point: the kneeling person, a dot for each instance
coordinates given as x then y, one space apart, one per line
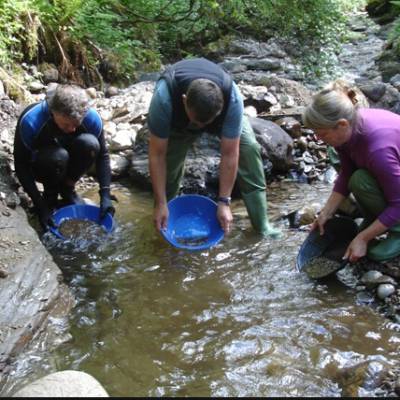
56 142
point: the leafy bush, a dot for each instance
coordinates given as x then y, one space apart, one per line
81 35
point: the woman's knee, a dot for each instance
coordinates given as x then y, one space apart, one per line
361 180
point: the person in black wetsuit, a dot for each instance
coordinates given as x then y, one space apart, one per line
56 141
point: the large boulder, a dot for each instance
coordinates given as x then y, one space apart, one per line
277 145
64 384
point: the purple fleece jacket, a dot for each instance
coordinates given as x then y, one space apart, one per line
375 146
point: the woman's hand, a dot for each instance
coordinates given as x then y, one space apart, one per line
320 221
356 249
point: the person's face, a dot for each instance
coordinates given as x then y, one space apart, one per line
335 136
65 123
193 117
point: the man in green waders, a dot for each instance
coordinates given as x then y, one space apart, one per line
195 96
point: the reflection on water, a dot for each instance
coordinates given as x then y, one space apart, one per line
235 320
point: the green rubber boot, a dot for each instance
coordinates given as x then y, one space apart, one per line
256 205
386 249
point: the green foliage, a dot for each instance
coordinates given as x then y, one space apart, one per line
140 34
15 18
394 34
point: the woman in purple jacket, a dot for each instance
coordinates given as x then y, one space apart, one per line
368 144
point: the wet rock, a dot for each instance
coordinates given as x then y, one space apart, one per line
374 91
264 64
271 47
257 96
276 144
301 143
111 91
119 165
250 111
395 81
308 213
371 278
64 384
233 66
384 290
122 140
12 200
35 87
49 73
91 92
291 125
367 375
397 386
365 297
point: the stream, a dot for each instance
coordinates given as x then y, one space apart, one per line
234 320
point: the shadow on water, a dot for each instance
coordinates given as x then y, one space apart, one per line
234 320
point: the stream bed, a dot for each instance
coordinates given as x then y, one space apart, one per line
235 320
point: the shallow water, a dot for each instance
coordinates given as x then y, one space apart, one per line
235 320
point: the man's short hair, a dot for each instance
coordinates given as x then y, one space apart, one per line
70 101
205 99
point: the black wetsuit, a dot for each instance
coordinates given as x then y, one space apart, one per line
37 131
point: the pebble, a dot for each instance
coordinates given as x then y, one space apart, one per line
385 290
370 278
397 386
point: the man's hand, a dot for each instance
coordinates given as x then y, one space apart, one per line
105 203
224 216
160 216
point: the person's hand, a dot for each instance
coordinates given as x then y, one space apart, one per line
160 216
356 249
106 204
44 214
320 221
224 216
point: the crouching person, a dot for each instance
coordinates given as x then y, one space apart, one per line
56 142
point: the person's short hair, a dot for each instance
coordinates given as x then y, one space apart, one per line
336 101
205 99
69 100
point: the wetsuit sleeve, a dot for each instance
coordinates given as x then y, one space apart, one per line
103 168
23 169
233 121
93 124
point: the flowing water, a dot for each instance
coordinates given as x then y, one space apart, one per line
235 320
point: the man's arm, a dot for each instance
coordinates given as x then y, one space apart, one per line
157 168
229 165
103 171
227 176
103 168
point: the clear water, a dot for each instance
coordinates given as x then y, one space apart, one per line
235 320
